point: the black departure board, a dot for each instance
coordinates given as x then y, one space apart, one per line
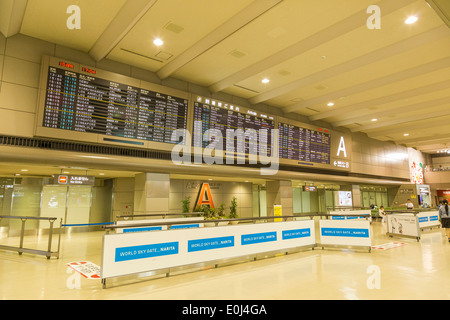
86 103
304 145
225 117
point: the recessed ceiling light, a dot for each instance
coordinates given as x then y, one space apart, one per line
411 20
406 134
374 120
24 170
265 80
101 174
158 42
331 104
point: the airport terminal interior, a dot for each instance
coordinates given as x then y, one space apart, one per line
275 149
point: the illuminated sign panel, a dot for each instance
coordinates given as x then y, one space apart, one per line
90 104
211 115
83 103
74 180
302 144
310 146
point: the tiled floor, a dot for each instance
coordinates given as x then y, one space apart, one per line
417 270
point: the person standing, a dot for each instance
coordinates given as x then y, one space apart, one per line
382 214
409 205
444 215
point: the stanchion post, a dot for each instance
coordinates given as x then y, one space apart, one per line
22 235
50 236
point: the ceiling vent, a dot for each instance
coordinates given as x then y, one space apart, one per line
284 73
141 55
164 55
237 54
175 28
321 87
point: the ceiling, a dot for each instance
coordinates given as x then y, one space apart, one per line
313 52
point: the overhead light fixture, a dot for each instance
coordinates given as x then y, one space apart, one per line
374 120
331 104
24 170
158 42
265 80
406 134
411 20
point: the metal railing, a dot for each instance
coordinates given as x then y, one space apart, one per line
163 215
20 249
217 221
413 211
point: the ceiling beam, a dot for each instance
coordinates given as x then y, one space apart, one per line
435 139
372 84
442 9
402 120
130 14
410 127
444 85
238 21
11 16
389 111
338 29
375 56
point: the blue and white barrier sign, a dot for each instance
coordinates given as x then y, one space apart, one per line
135 252
338 215
210 243
258 238
428 219
147 251
345 232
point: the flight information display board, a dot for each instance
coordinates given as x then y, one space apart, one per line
87 103
304 145
212 114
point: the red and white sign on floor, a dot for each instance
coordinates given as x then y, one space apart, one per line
87 269
389 245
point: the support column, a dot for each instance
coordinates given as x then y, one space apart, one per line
279 192
356 196
151 193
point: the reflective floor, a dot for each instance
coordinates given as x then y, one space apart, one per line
415 270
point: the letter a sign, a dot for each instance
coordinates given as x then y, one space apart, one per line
342 148
204 196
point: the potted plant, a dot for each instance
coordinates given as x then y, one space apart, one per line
185 204
209 214
233 211
220 211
